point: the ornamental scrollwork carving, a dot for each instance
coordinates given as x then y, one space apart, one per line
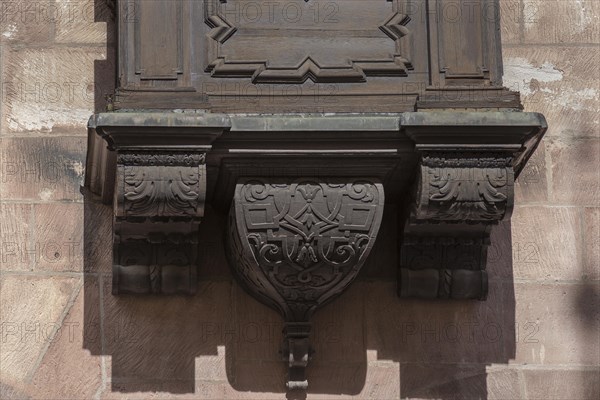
161 185
458 197
297 245
158 209
470 187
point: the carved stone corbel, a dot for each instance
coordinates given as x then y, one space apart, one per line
157 186
467 166
159 203
296 245
458 197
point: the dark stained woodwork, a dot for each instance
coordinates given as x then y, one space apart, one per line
310 56
302 119
161 55
338 43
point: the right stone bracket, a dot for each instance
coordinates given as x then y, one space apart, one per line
461 191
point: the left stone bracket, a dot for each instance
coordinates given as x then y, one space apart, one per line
158 206
151 167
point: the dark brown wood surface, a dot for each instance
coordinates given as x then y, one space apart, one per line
310 55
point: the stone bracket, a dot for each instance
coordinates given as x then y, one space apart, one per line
458 196
158 206
153 172
463 187
295 245
305 196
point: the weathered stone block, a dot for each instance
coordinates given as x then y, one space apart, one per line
551 253
554 320
560 21
44 169
500 252
255 332
511 19
532 184
59 237
97 225
27 22
417 331
31 309
18 238
575 175
176 330
69 370
561 83
555 384
591 239
458 381
84 21
52 89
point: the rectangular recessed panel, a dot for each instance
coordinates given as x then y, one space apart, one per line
158 39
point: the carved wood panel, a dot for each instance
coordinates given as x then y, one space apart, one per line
464 42
310 55
467 186
302 39
307 237
154 45
297 243
458 197
159 49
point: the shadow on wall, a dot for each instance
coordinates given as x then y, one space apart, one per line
180 344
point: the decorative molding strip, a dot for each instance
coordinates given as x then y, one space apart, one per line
296 245
157 159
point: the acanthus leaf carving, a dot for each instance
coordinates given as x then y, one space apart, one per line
458 197
161 185
158 208
470 187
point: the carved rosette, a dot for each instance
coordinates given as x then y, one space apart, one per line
458 197
295 246
159 202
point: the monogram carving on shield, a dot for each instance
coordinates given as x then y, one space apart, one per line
303 242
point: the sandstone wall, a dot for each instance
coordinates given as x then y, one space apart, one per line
64 336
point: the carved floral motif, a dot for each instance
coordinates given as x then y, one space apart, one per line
470 188
159 204
161 191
